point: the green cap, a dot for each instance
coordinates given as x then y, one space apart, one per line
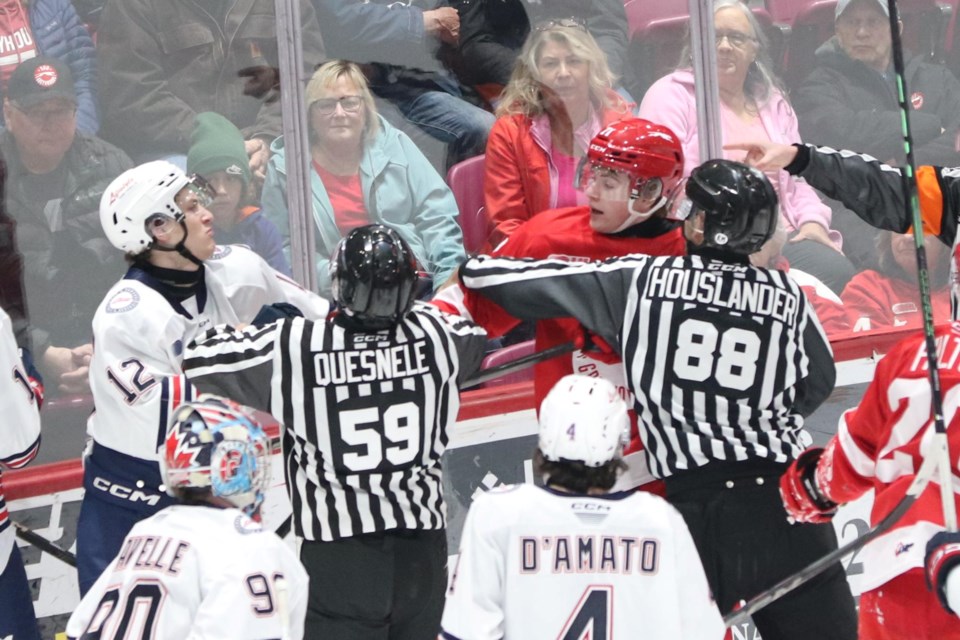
217 145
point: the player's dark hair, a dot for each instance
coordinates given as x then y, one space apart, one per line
575 476
193 496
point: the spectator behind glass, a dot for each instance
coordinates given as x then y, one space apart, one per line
365 171
889 298
55 177
493 33
752 106
164 62
558 98
849 101
51 27
217 154
401 45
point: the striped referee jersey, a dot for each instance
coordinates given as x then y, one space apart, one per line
724 359
364 415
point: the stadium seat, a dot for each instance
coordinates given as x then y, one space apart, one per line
508 354
466 181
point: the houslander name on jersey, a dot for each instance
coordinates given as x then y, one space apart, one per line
369 365
707 287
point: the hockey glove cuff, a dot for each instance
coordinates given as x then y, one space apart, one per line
596 347
803 498
943 555
277 311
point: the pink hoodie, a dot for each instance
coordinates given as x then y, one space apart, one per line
671 101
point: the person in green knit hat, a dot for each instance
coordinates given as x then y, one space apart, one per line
217 154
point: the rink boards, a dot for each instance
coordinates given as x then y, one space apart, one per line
491 444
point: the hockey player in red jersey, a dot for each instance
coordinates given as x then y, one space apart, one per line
631 169
880 445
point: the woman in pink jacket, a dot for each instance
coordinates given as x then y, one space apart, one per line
753 107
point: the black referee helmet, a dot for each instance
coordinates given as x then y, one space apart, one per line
374 276
739 204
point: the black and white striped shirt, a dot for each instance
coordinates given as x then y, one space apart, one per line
724 359
364 415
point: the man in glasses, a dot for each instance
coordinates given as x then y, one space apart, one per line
629 173
849 101
55 176
179 284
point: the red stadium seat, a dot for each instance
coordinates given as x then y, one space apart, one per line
466 181
508 354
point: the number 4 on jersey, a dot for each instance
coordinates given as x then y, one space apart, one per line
593 617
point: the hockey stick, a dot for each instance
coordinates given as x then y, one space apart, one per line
941 449
788 584
44 545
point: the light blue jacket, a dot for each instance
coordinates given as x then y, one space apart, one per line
401 189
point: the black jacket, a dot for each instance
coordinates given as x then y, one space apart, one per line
493 31
67 267
845 104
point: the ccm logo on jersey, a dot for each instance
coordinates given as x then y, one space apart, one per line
125 493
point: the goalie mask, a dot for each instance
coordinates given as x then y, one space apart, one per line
648 154
584 420
144 198
214 445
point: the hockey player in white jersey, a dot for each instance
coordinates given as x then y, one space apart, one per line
179 284
571 560
19 442
202 568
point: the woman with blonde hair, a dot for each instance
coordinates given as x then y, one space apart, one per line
365 171
752 107
559 96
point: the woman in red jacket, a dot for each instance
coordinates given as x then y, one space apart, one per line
558 98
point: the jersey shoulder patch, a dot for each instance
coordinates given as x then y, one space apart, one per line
123 300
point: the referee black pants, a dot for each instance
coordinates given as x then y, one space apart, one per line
381 586
740 527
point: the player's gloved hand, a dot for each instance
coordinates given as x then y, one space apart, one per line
943 556
596 347
802 496
277 311
33 376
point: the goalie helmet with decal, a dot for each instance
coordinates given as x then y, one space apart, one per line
216 447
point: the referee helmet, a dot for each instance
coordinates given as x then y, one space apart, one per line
374 276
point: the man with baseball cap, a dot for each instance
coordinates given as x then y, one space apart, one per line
849 101
55 177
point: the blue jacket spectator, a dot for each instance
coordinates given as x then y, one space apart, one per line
59 33
374 174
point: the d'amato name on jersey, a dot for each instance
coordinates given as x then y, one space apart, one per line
589 554
707 287
368 365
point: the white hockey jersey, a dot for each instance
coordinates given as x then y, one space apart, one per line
139 336
536 563
192 572
20 434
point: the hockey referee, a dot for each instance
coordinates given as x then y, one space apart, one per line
365 400
724 360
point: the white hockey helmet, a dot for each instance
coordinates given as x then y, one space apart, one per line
135 198
216 444
584 420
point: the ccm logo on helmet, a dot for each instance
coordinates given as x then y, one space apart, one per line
125 493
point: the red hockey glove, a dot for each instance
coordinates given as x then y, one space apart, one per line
943 555
802 497
596 347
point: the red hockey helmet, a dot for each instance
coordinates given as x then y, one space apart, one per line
649 153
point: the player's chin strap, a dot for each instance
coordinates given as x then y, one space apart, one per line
180 247
636 217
